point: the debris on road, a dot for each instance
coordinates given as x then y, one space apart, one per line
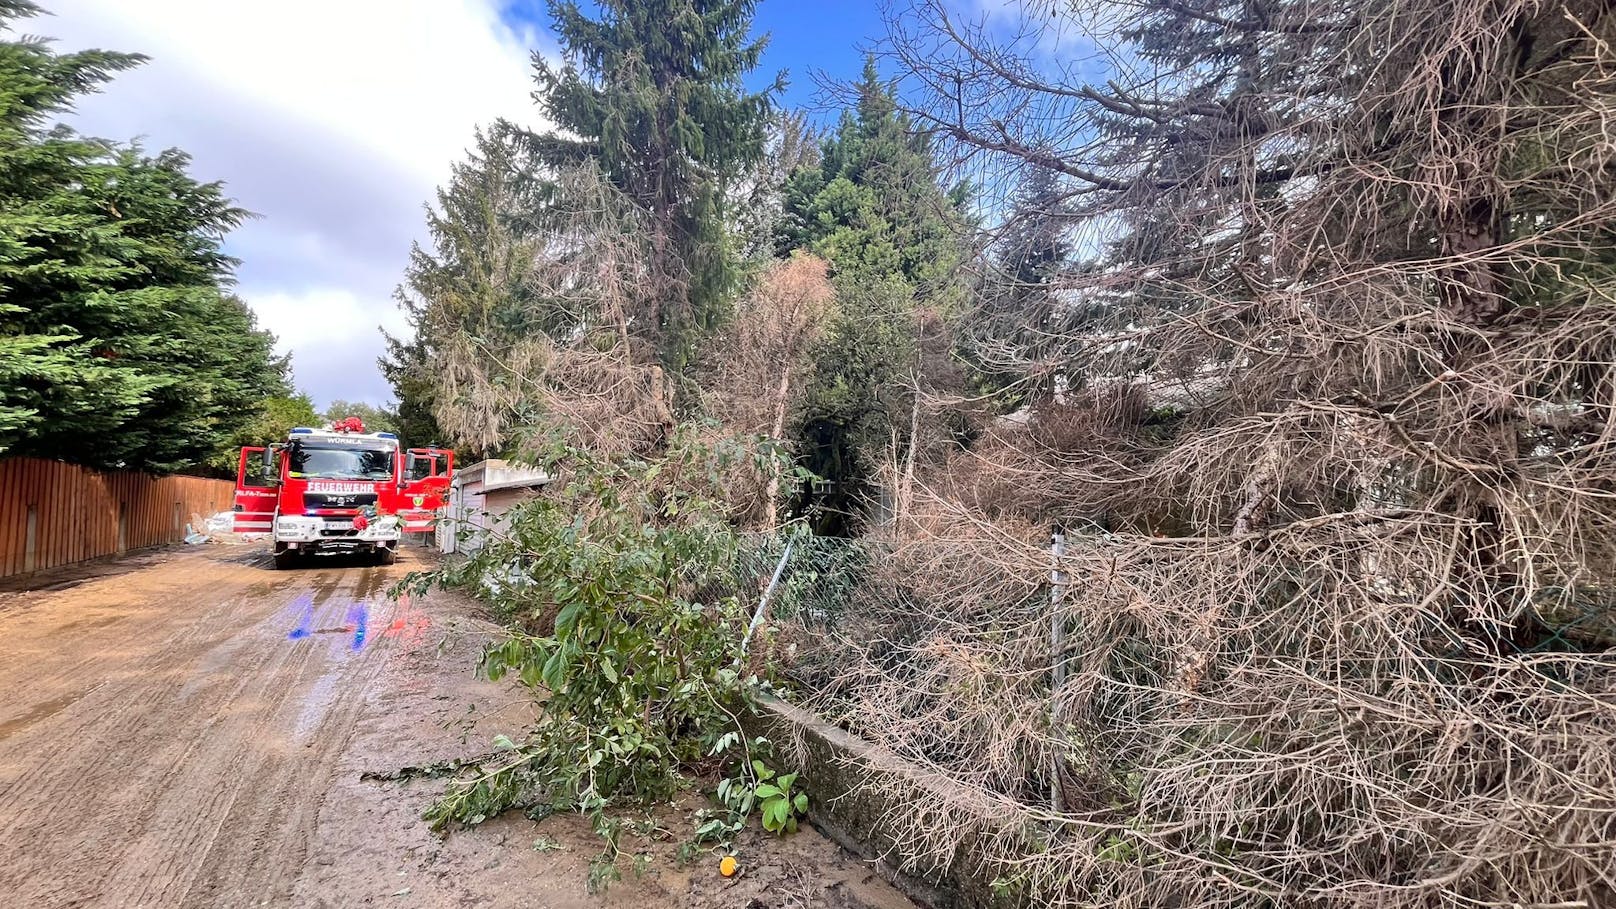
218 529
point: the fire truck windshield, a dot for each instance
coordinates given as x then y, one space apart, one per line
313 462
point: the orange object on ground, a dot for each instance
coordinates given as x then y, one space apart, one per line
727 866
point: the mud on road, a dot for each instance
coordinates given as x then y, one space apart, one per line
190 728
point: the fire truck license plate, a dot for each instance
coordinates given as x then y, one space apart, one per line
339 525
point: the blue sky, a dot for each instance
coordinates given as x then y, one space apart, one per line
336 120
807 35
804 36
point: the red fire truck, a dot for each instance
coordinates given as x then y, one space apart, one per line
339 490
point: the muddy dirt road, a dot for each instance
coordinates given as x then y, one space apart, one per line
189 728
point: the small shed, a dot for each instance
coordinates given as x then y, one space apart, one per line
480 495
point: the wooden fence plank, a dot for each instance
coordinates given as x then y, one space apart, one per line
45 534
77 547
52 541
8 480
8 507
50 506
16 518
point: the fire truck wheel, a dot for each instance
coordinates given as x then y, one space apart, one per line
285 559
386 555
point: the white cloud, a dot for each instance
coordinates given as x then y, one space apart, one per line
1055 33
333 336
321 316
333 120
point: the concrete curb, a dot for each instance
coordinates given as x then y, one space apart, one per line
840 771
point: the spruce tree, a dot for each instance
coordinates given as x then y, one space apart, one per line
1033 246
758 202
874 204
651 92
874 208
405 367
1018 305
1348 441
473 279
119 344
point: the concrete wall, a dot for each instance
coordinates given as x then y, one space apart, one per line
478 499
857 796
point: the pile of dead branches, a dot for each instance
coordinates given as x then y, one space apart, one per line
1334 622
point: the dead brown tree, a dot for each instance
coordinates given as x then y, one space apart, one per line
765 356
1338 465
580 368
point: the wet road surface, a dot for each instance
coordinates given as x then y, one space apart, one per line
188 728
161 729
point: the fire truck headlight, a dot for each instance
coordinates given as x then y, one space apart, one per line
297 528
383 528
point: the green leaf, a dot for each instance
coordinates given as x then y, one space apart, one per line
774 815
555 669
494 669
567 618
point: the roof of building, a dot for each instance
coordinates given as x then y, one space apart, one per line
495 473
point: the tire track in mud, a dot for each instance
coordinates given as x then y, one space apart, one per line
228 751
194 769
119 679
271 826
146 724
108 621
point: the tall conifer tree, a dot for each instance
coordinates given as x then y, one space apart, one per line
472 280
874 208
651 91
119 343
1018 304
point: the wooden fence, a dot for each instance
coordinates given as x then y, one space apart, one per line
53 513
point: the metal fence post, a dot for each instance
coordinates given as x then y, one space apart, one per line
1057 656
763 603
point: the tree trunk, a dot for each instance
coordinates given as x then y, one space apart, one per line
771 515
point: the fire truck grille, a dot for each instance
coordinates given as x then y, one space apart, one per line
313 500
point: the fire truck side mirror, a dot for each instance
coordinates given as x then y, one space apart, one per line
272 476
410 461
